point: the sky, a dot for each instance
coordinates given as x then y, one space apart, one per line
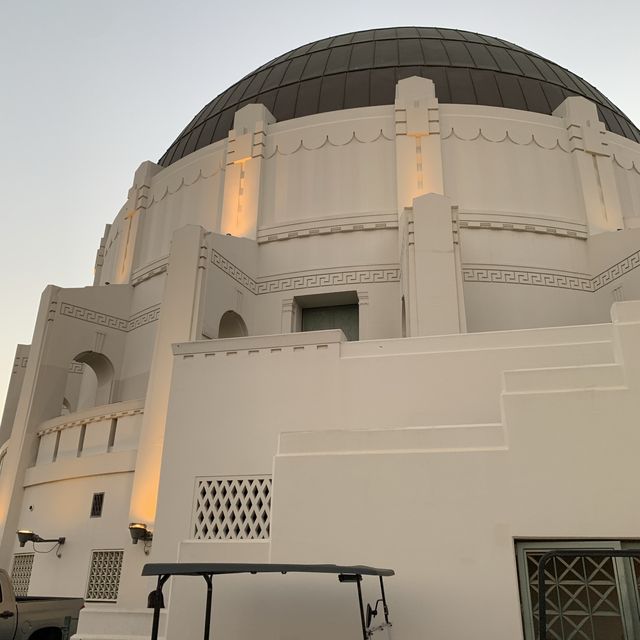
90 89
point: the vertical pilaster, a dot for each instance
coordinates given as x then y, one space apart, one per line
418 146
178 323
593 164
97 269
430 269
287 325
363 314
137 202
245 155
38 401
13 392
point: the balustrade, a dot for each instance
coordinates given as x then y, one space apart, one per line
99 430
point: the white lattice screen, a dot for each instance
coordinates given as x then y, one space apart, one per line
232 508
104 575
21 573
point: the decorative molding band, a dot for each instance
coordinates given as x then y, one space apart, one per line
150 270
627 163
547 278
373 222
76 367
218 260
625 154
616 271
169 189
517 222
151 314
95 317
312 141
144 317
307 280
523 275
82 421
549 140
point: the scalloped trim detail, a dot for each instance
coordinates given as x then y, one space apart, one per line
170 189
495 135
332 139
626 163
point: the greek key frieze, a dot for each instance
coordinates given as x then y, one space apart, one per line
293 282
616 271
557 279
234 272
95 317
144 317
111 322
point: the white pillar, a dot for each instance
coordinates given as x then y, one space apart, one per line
243 174
179 320
137 201
593 164
418 147
430 271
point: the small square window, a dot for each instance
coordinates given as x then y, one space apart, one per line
96 505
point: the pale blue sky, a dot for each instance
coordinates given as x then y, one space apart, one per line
90 89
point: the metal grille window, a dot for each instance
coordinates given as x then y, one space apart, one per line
96 505
588 598
104 575
232 508
21 573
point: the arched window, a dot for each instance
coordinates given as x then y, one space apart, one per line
232 326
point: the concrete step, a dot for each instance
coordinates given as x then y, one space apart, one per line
593 376
116 624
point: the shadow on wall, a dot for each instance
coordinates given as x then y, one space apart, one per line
89 382
232 326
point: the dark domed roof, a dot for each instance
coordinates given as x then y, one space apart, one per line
361 69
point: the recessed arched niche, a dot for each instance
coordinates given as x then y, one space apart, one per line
232 326
90 378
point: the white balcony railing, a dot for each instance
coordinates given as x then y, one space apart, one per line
111 427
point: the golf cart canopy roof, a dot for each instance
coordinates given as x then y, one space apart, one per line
225 568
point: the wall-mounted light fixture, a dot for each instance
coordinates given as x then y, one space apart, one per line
138 531
26 535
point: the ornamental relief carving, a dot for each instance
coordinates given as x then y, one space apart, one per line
508 274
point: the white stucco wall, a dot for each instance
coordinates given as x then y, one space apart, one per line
518 228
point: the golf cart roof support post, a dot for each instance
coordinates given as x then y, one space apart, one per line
384 601
363 623
156 606
208 578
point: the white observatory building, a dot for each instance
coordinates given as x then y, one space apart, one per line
379 303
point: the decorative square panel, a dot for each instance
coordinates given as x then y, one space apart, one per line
237 508
104 575
21 573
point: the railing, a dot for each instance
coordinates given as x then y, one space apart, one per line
113 427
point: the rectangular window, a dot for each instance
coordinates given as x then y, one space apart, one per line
339 310
96 505
587 598
21 573
104 575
